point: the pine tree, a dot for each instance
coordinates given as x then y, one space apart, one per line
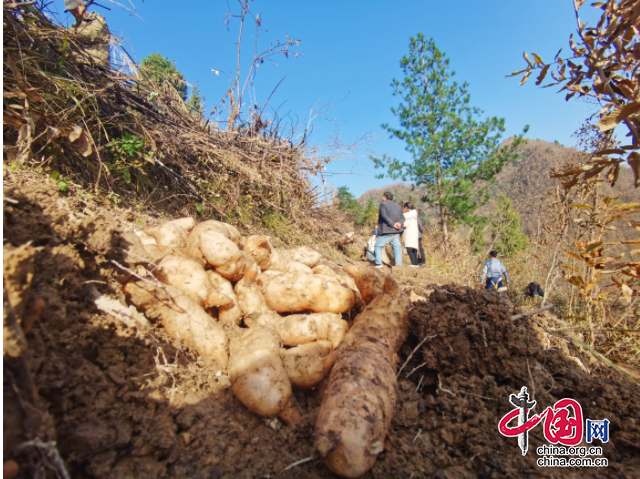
159 69
454 150
506 231
196 100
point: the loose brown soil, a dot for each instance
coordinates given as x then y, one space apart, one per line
117 409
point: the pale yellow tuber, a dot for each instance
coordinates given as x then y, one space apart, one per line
211 248
297 329
226 230
187 275
295 292
369 280
259 247
324 269
302 254
230 313
252 302
303 364
182 318
257 375
169 236
344 280
360 398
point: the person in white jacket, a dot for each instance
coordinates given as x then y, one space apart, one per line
411 233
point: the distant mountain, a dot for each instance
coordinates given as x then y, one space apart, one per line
526 183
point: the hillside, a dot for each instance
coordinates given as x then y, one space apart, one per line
526 183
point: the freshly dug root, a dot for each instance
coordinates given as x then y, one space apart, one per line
344 280
231 313
358 404
182 318
257 375
369 280
302 254
228 231
294 292
188 276
297 329
303 364
171 235
259 247
187 223
145 239
252 302
281 263
324 269
211 248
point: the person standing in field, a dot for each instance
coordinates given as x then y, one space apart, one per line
411 233
91 33
390 223
494 271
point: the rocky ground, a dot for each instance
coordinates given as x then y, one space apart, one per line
123 405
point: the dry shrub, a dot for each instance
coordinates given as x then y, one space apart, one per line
126 137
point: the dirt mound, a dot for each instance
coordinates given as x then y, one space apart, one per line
474 358
120 406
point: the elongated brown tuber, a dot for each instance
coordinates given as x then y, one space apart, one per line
358 404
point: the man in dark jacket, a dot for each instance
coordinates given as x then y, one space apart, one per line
390 223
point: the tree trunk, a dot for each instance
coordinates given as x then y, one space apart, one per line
445 231
443 214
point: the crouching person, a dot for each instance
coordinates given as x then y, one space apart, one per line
494 271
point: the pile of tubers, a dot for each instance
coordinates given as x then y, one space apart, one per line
277 319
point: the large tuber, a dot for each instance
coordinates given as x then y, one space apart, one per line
295 292
257 375
211 248
358 404
369 280
182 318
304 363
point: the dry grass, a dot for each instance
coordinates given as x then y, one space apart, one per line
120 136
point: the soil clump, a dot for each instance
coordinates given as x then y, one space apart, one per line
123 404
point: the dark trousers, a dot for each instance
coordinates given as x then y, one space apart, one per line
413 254
422 259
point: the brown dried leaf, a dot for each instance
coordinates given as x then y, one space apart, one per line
75 133
610 121
613 175
525 78
543 74
52 132
12 121
634 162
85 145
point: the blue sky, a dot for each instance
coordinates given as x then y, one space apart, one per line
350 52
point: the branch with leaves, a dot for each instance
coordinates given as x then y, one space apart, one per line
604 66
